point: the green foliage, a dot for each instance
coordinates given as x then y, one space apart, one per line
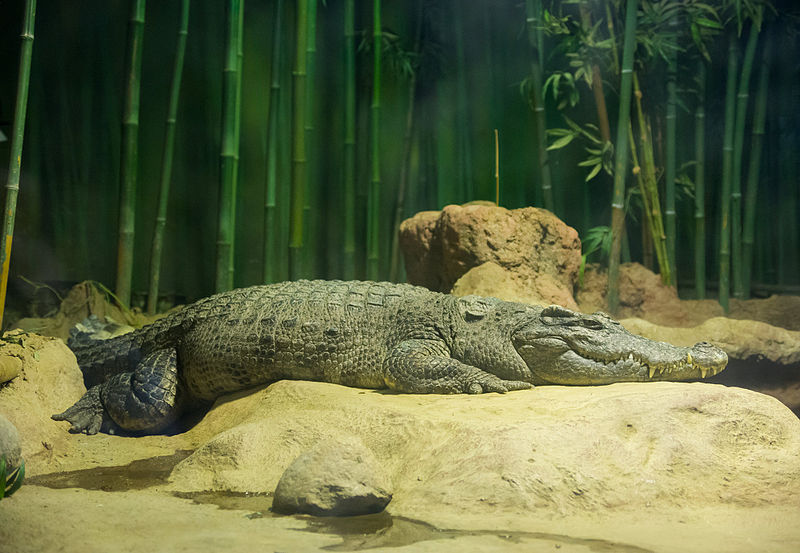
596 239
401 60
10 481
600 153
562 87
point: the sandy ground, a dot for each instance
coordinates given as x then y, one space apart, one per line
39 519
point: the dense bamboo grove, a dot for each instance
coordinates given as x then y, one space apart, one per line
306 130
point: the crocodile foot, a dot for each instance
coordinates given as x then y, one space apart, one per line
87 415
490 383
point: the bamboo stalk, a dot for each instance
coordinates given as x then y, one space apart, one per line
650 190
310 223
349 190
496 168
759 118
271 230
405 164
725 189
17 136
699 184
533 10
373 199
742 99
297 200
464 144
602 122
237 133
621 155
228 154
670 161
130 154
166 160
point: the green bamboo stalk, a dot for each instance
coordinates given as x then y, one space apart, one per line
17 136
405 164
621 155
297 199
699 183
271 230
602 124
759 118
650 191
464 169
309 230
742 99
605 134
533 10
373 199
725 189
349 188
130 154
227 202
166 160
237 133
670 161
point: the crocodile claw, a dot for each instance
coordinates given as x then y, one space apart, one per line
87 415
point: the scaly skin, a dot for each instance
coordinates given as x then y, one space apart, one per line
362 334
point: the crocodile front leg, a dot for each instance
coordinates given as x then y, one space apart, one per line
421 366
142 400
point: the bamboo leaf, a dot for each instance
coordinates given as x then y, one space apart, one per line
559 132
593 173
708 23
590 162
561 142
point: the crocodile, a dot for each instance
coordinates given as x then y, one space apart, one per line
360 334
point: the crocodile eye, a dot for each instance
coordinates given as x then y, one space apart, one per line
593 324
557 315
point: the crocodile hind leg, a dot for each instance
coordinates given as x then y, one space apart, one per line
420 366
143 400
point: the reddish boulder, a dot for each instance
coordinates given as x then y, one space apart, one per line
531 244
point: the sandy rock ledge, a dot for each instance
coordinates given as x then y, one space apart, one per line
550 450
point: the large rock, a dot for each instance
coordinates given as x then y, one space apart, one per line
49 382
490 279
336 477
521 455
536 248
741 340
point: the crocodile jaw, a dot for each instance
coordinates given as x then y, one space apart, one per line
562 346
572 368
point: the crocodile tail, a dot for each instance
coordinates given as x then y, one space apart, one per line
99 357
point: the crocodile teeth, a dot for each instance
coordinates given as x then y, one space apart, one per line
703 372
689 358
652 371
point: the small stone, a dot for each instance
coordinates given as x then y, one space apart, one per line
9 444
333 478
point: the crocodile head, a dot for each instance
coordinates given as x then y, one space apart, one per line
561 346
